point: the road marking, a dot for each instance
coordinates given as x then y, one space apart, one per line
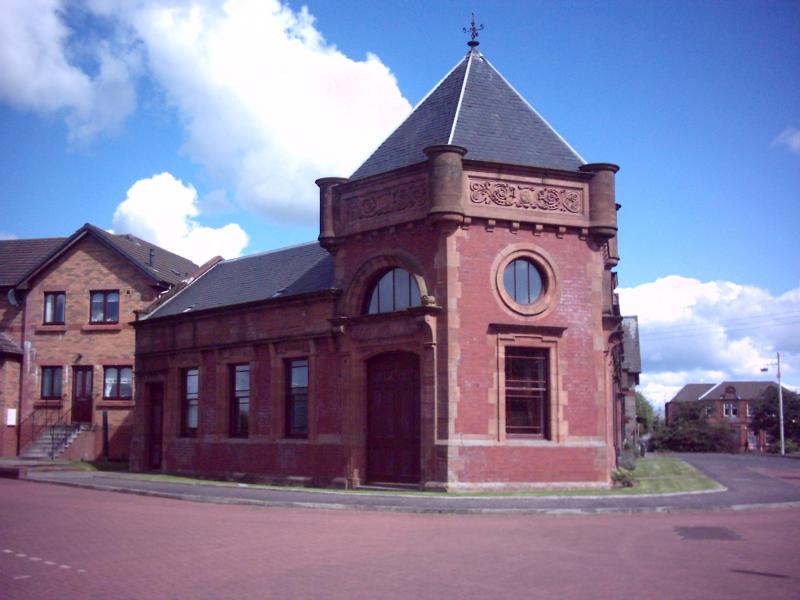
64 567
7 551
49 563
22 577
21 555
34 558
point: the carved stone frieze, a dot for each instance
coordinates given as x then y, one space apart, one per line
527 196
398 198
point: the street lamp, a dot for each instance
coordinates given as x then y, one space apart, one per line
780 402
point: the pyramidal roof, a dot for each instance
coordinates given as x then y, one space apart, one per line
474 107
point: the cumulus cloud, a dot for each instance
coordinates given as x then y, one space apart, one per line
7 236
693 331
38 70
161 210
789 137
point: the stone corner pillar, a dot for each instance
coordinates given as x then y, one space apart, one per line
327 234
445 181
602 200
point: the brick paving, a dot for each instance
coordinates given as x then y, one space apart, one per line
102 545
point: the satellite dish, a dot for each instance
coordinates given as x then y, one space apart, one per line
12 298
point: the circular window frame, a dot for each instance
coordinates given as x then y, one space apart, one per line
543 263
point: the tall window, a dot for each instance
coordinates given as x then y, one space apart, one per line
527 393
395 290
54 307
522 281
240 400
189 408
51 383
297 398
710 409
118 383
730 409
104 307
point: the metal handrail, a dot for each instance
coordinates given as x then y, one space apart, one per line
44 418
57 440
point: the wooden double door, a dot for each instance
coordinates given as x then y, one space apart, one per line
393 418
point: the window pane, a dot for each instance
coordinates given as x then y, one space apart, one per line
521 281
191 415
299 423
401 285
49 306
97 307
110 384
126 382
386 293
61 300
373 302
508 281
191 382
57 381
47 382
299 373
534 283
112 306
416 300
242 380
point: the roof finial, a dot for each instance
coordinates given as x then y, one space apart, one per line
473 32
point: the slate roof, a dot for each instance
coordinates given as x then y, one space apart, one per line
20 259
8 346
631 357
746 390
17 257
279 273
691 392
474 107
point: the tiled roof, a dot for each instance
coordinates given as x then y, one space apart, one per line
17 257
746 390
474 107
631 358
691 392
8 346
20 259
279 273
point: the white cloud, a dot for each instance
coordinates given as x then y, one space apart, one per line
789 137
161 210
36 72
693 331
268 105
7 236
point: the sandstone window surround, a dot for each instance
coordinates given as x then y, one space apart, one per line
190 385
240 400
54 308
297 398
525 280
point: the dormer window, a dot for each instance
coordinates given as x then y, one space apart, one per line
395 290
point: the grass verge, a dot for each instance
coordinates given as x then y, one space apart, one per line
653 475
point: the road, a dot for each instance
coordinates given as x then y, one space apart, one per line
62 542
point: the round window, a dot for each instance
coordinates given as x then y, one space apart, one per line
523 281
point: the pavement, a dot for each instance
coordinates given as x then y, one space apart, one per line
750 481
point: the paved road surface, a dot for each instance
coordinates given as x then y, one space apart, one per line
67 543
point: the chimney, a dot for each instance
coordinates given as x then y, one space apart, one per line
150 257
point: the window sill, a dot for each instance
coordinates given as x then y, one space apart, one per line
110 403
90 327
50 329
48 403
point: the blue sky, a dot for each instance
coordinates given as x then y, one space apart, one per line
202 125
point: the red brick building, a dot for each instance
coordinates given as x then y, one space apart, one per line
66 343
730 403
455 327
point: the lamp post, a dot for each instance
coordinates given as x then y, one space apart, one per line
780 404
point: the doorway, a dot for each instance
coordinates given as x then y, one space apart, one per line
82 394
155 422
393 418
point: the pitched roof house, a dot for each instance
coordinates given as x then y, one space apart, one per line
66 345
455 326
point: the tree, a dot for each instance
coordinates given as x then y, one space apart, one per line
690 431
766 414
645 414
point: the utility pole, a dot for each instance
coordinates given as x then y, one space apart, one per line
780 404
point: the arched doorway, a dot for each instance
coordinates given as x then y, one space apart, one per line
393 418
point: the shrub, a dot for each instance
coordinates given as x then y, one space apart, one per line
695 436
622 477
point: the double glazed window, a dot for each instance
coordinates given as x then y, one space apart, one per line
118 383
104 307
240 400
395 290
54 307
51 383
190 401
297 398
527 391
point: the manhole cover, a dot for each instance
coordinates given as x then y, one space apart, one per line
707 533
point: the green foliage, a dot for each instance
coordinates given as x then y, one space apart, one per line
645 414
765 415
691 432
622 477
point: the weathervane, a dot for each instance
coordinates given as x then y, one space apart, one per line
473 32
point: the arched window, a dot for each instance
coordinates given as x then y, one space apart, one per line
523 281
395 290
